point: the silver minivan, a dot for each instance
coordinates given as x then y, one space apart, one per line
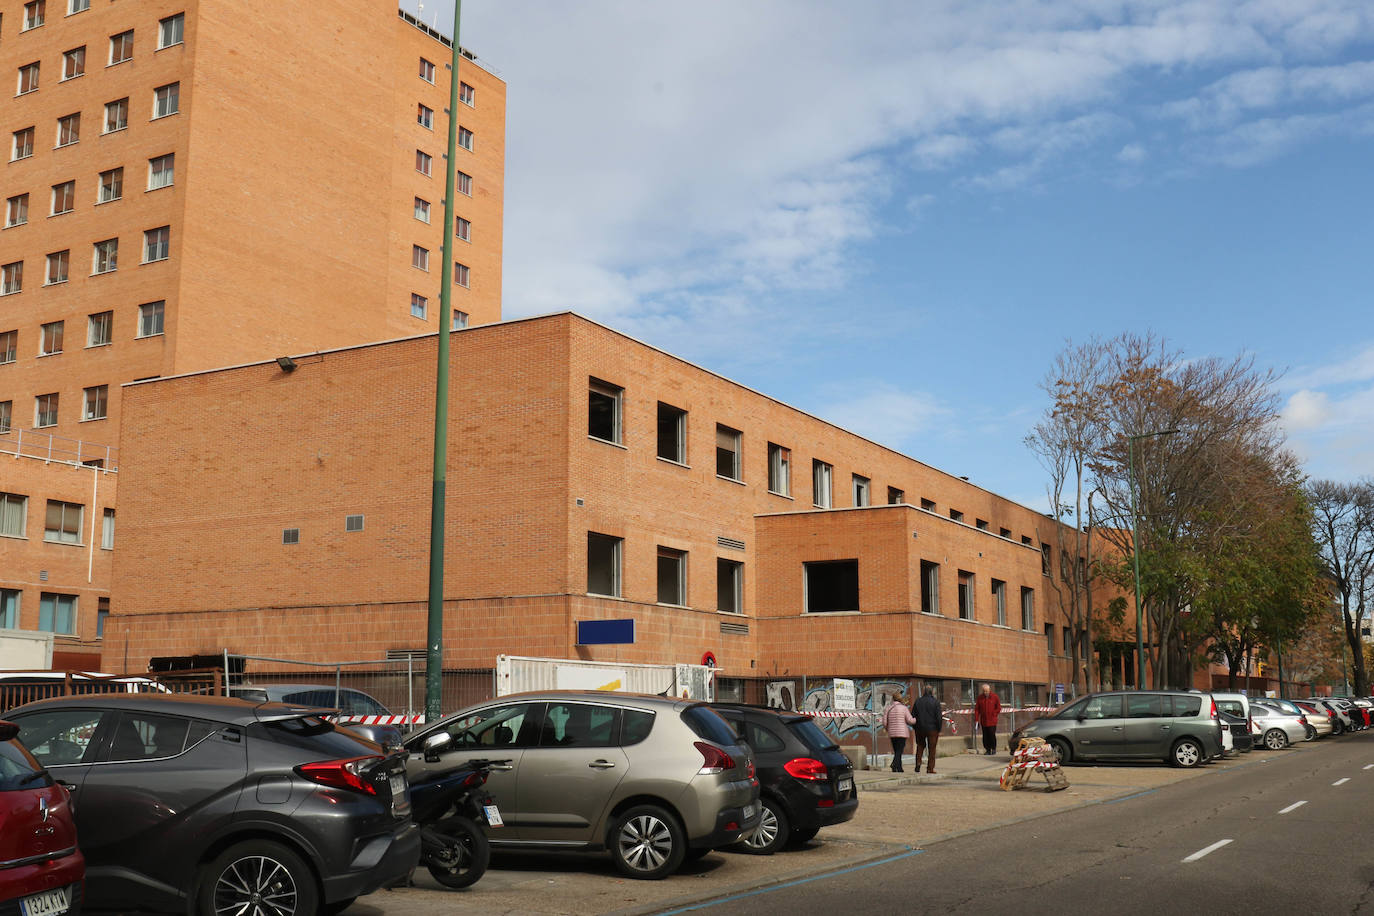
1180 728
654 780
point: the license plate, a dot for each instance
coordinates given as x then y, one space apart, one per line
493 816
400 802
750 811
846 784
48 903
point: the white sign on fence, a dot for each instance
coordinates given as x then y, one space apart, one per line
575 677
846 698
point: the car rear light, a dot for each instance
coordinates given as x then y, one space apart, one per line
751 769
713 759
732 825
807 768
341 774
474 780
1214 709
1302 719
825 803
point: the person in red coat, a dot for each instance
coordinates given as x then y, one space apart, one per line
985 711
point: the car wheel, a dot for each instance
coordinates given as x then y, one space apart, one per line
258 876
647 842
465 855
1309 733
1275 739
1061 747
1187 753
802 835
772 832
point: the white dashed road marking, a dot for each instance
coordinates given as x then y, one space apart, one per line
1341 780
1369 766
1293 807
1210 849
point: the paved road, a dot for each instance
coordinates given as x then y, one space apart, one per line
1286 831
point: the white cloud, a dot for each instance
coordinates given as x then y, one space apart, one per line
886 414
1132 154
1356 368
942 150
1306 410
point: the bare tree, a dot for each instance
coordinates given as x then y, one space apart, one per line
1344 529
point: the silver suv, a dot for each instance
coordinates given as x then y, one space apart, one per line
1181 728
654 780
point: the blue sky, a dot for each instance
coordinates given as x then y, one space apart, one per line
894 214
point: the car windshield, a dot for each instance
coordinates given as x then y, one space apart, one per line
811 735
18 769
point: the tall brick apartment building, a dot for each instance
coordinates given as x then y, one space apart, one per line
590 476
197 183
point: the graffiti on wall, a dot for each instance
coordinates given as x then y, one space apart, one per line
871 696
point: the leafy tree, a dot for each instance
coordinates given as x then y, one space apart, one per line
1344 529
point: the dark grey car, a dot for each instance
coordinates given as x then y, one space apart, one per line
213 805
1178 727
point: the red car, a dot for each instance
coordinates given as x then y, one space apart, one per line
41 870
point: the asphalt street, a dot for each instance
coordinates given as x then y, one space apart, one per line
1282 832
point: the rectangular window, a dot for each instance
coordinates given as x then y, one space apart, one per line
464 183
1049 639
862 489
111 185
57 613
116 115
290 536
50 340
63 197
9 608
603 564
121 47
63 523
832 585
463 229
981 524
461 275
672 576
422 209
928 504
74 63
426 70
14 514
99 329
12 278
101 615
34 12
171 30
77 6
45 410
354 523
161 171
956 515
895 497
419 257
1045 561
424 116
166 100
419 306
604 410
157 244
69 129
820 484
150 318
28 77
17 210
105 257
97 403
999 601
672 433
1027 608
965 595
460 320
779 470
9 347
465 138
729 586
466 94
1004 532
728 449
1068 641
930 587
424 162
6 413
23 144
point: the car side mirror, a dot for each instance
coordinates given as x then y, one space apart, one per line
434 744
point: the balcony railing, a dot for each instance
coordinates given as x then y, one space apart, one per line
30 443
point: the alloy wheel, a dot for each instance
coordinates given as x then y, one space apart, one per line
766 833
645 842
255 886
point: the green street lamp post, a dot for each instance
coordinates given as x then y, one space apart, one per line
1135 553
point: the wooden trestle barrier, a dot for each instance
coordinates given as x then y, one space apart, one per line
1030 755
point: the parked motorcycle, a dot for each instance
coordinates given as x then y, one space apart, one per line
450 807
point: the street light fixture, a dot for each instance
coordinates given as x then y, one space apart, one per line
1135 551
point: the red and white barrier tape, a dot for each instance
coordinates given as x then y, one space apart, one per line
380 720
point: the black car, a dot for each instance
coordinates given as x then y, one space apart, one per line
805 783
213 805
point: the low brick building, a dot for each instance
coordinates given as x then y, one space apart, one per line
589 476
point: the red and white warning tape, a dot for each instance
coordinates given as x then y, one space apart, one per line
380 720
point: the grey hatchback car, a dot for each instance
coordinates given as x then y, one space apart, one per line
654 780
1180 728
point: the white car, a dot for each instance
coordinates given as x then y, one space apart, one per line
1274 728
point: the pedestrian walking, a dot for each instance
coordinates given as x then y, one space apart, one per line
929 720
897 720
985 711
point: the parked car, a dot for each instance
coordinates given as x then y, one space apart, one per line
1233 706
211 805
1277 728
1318 720
41 868
805 783
1183 729
346 700
1365 707
654 780
1235 733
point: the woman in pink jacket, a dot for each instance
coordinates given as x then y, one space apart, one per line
898 721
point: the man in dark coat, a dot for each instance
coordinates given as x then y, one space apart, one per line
929 720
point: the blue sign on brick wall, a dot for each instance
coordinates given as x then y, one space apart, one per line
605 632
